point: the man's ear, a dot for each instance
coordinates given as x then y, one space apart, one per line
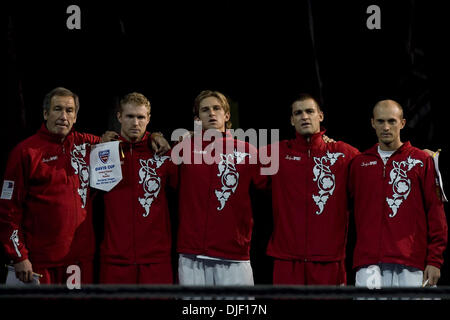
119 116
227 116
45 114
321 116
403 123
372 121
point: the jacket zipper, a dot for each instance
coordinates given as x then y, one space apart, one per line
208 207
68 160
308 203
383 205
133 206
380 243
384 214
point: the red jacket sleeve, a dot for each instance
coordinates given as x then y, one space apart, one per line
173 175
351 181
90 138
268 165
14 191
437 223
260 180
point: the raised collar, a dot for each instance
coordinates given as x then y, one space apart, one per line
225 136
49 136
301 142
143 143
374 149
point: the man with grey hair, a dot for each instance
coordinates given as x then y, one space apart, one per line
45 208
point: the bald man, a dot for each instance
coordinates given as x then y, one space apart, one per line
399 215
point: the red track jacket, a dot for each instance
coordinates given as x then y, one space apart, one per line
215 214
137 221
309 200
44 198
399 216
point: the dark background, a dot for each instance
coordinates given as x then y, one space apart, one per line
259 54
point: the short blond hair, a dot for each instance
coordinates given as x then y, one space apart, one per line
135 98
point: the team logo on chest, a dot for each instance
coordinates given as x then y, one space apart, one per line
228 175
150 181
401 184
326 181
78 162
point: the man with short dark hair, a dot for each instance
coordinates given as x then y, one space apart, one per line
309 199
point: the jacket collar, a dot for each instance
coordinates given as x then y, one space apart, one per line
142 144
47 135
225 136
301 142
374 149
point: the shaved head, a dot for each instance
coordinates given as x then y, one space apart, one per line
388 121
386 104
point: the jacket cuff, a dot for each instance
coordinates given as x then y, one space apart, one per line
17 260
434 263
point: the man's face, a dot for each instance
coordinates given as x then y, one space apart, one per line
134 120
306 117
388 121
212 115
61 116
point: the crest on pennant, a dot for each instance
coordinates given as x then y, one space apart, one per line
104 155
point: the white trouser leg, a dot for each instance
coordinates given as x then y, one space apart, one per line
233 273
369 277
190 271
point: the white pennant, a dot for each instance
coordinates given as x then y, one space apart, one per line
105 169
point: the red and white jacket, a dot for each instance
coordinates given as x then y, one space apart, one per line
215 213
399 215
44 200
309 199
137 221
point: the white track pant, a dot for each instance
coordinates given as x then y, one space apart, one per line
388 275
195 271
